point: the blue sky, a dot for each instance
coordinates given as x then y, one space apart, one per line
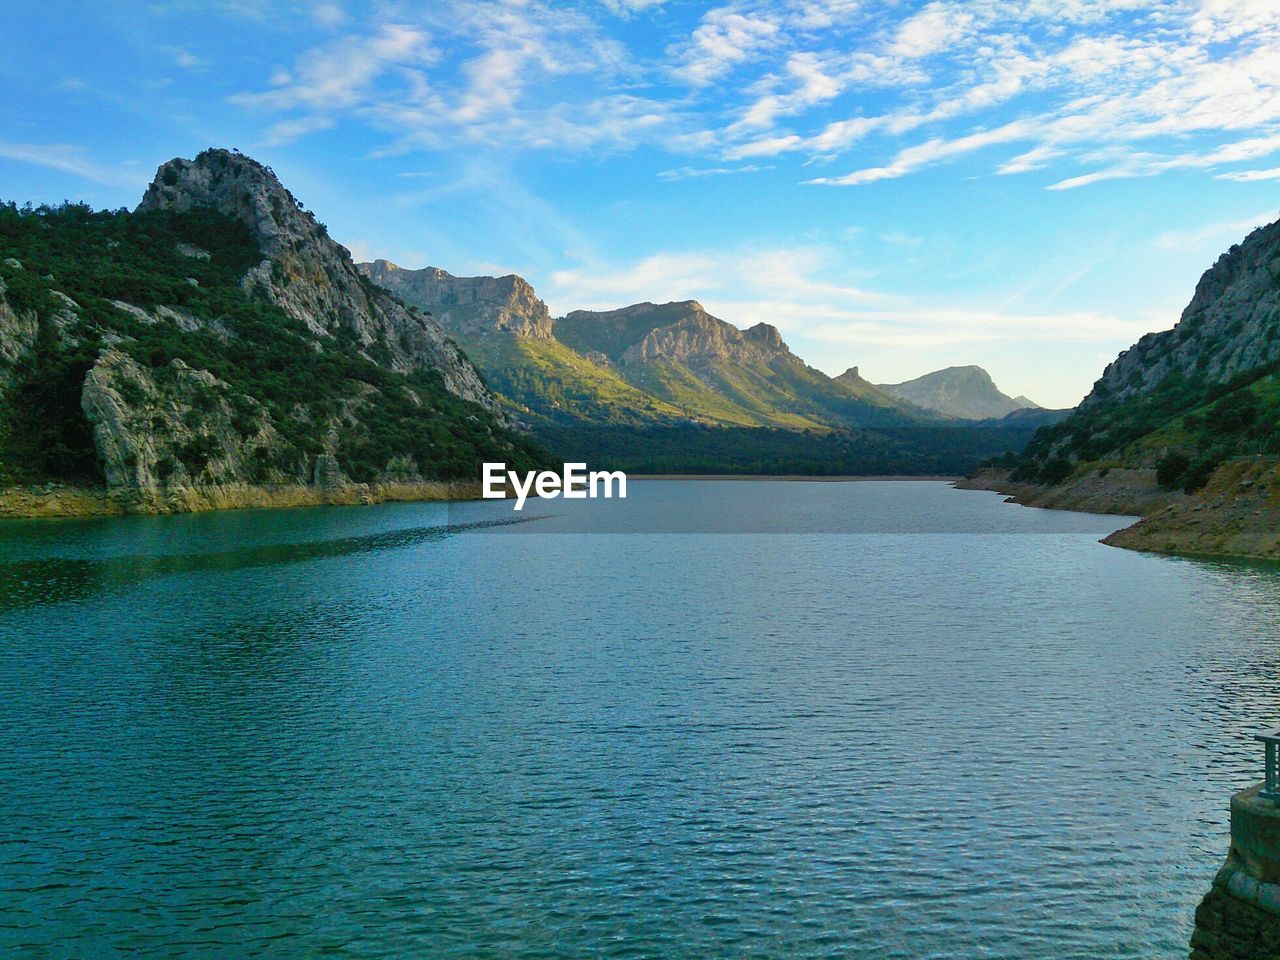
1026 185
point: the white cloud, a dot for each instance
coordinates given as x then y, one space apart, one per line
330 15
913 158
1089 89
933 29
1215 234
723 39
342 74
68 158
1250 176
798 272
625 8
689 173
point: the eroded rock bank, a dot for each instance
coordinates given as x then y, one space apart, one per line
53 500
1237 514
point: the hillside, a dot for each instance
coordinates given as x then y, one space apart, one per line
646 364
507 331
669 388
716 372
215 340
967 393
1177 413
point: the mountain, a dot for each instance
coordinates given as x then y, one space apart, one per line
643 364
1029 417
669 388
1182 427
507 331
967 393
468 306
215 346
714 371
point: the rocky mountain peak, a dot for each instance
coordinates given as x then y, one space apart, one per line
238 186
467 306
767 335
966 392
305 272
677 332
1230 325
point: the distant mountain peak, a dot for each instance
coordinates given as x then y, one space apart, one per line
966 392
677 332
767 334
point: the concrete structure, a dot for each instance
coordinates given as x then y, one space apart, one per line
1239 919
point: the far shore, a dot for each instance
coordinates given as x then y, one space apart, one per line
838 478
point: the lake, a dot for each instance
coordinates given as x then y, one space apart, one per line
876 719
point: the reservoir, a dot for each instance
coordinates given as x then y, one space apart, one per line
715 719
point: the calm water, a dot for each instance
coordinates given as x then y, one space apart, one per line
955 728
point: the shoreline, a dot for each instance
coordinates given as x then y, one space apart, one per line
1235 516
795 477
56 501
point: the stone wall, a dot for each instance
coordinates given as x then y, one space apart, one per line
1232 927
1239 919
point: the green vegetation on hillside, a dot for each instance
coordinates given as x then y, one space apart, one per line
551 381
306 386
695 448
1186 426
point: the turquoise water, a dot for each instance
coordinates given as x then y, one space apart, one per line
956 728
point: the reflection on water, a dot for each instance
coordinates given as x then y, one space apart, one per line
58 579
366 732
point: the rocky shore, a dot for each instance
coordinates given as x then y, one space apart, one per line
1237 514
55 500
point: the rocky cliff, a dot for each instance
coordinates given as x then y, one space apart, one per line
216 347
306 273
467 306
1228 328
1193 411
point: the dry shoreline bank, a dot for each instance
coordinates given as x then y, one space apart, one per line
791 477
1237 514
55 501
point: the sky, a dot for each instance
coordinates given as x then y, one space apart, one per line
1028 185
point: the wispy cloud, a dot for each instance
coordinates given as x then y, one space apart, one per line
804 272
1215 234
69 158
1250 176
689 173
1075 92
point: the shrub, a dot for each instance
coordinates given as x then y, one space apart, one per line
1055 471
1171 468
1197 473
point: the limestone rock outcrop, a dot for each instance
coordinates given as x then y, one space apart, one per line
467 306
307 273
1229 326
